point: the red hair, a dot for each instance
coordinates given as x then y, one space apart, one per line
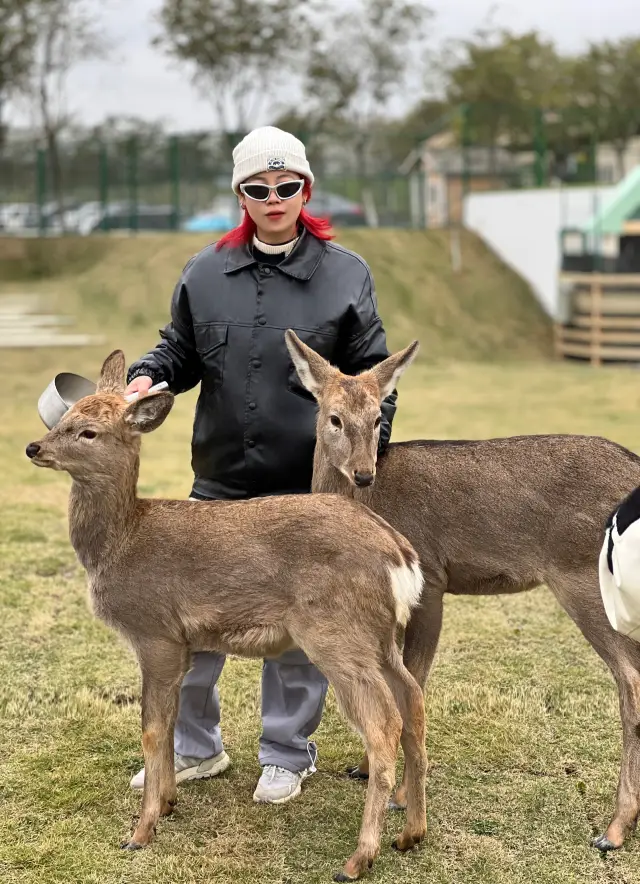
243 234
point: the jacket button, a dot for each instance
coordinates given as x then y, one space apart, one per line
250 443
256 363
266 270
252 406
262 321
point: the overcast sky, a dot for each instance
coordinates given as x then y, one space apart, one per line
138 80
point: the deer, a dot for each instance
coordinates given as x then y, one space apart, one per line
485 516
253 578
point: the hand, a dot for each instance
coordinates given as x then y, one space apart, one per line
139 385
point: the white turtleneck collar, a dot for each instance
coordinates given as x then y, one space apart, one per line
284 248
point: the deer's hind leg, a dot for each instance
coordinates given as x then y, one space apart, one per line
579 595
368 704
410 701
421 639
163 666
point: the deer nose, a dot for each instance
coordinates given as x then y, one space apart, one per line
32 449
363 480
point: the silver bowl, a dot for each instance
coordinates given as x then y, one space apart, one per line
64 391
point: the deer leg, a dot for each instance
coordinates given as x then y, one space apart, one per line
420 645
163 667
581 599
627 809
410 701
368 704
366 701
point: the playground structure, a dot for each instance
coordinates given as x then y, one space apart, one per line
599 280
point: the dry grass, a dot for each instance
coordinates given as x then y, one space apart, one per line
122 287
523 733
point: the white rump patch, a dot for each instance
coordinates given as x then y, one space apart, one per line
406 585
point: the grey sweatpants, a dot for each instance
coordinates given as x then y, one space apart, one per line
293 695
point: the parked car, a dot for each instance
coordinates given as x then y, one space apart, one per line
337 209
223 214
15 217
28 217
92 217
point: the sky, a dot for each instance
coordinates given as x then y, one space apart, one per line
139 80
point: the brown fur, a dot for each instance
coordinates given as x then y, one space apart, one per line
253 578
488 516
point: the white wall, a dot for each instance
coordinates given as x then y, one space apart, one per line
523 228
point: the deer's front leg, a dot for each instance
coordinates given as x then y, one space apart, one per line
161 680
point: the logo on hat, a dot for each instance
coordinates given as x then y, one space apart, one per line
276 164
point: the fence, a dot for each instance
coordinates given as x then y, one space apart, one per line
153 182
134 185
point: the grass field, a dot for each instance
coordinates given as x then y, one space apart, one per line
523 734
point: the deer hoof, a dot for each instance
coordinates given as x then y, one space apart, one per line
407 841
355 773
603 844
131 845
393 805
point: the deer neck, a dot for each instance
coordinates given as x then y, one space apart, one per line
328 480
101 512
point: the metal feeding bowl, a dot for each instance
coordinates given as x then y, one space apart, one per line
64 391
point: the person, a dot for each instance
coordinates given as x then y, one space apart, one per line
254 429
619 567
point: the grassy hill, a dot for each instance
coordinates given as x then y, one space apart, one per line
122 286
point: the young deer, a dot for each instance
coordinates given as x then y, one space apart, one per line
486 517
253 578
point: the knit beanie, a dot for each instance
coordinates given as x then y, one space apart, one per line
268 150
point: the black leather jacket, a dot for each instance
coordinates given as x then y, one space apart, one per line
254 430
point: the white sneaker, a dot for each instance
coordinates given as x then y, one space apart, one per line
278 785
190 768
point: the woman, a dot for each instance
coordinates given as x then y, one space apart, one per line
254 430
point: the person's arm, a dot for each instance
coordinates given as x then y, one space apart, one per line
365 345
174 359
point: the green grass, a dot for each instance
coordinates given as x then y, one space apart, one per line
523 734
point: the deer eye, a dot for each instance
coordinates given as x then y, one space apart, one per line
377 422
335 421
88 434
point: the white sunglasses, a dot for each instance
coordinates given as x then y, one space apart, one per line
286 190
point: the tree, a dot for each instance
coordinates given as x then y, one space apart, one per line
17 40
606 86
359 61
240 51
66 35
425 118
504 79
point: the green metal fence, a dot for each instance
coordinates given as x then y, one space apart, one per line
154 182
133 185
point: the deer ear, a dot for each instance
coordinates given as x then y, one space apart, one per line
112 374
388 372
313 370
147 413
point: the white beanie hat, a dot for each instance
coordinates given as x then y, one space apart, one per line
269 150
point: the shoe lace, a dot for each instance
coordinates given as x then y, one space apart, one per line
274 771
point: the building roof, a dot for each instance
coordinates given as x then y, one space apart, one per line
441 154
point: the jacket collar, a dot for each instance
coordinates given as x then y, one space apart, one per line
301 264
